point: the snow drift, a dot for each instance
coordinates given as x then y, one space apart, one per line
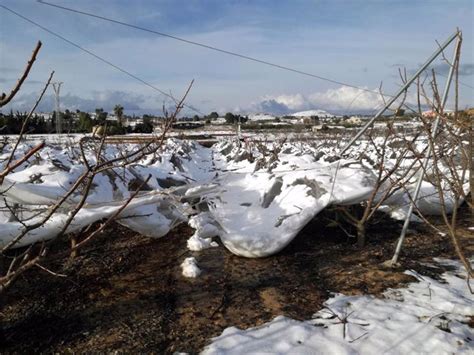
254 197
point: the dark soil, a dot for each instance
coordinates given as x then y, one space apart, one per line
126 292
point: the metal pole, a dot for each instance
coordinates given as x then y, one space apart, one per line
57 88
434 131
471 161
405 87
238 129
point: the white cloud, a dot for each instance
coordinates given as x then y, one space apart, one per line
346 99
292 102
340 100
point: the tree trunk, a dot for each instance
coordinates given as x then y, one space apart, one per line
361 234
74 252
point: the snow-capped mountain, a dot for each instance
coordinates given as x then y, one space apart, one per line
309 113
261 117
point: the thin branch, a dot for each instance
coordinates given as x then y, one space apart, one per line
112 217
4 98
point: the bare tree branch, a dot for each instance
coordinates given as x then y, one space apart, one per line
4 98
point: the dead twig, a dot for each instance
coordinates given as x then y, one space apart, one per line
4 98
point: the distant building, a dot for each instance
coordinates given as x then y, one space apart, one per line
132 121
219 120
433 114
48 116
355 120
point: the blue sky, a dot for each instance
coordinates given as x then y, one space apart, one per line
359 42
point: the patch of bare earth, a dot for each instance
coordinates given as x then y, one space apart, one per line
126 292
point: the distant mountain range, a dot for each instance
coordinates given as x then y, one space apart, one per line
309 113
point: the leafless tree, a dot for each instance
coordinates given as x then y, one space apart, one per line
451 159
18 261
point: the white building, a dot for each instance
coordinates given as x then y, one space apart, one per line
355 120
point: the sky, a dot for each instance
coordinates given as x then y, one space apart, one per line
362 43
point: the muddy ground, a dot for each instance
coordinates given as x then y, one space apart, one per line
125 292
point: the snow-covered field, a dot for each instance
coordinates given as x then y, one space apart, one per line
427 317
255 197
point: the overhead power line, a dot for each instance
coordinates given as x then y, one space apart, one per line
207 46
203 45
144 82
213 48
220 50
460 82
185 41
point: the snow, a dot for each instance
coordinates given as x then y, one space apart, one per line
190 268
261 117
261 213
219 120
152 213
205 230
309 113
427 317
255 197
196 243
